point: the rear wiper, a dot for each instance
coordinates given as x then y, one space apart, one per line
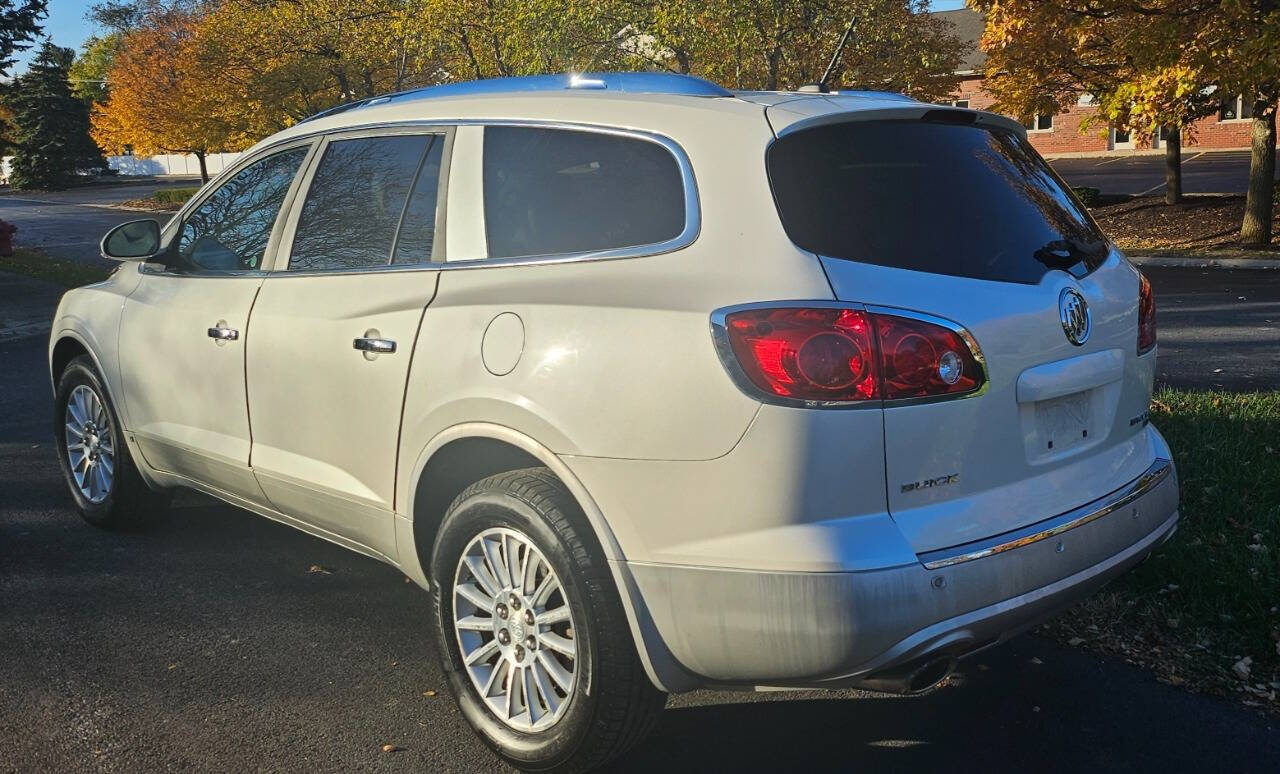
1066 254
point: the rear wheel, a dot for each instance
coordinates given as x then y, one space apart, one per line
100 473
531 629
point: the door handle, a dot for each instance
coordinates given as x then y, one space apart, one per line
374 345
221 333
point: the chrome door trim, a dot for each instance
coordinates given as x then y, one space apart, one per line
692 205
1052 527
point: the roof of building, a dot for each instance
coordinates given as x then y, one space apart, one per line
968 27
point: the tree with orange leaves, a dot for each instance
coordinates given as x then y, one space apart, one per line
159 96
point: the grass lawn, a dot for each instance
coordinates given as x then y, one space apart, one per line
1205 610
68 274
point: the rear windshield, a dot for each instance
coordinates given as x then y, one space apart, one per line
942 198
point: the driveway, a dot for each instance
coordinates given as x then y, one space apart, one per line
219 641
1202 173
70 224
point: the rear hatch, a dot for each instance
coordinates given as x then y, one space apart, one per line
937 214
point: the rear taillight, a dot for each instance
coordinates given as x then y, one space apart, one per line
1146 315
841 355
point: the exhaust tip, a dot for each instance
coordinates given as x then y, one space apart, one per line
930 675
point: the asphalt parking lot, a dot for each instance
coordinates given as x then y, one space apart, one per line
1218 172
209 643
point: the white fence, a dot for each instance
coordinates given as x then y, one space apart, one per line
170 164
164 164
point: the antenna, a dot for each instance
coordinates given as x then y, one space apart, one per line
835 57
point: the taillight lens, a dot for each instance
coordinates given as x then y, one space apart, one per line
832 354
1146 315
922 359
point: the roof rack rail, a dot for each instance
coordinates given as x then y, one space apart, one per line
626 82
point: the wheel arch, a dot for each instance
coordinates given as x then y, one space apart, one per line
465 453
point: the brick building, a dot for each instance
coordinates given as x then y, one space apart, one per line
1060 134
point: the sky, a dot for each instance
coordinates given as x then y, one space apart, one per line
67 26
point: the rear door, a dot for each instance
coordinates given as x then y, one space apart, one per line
950 219
334 333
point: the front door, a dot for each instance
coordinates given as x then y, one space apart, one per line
334 332
184 329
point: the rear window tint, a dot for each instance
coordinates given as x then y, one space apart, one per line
556 191
942 198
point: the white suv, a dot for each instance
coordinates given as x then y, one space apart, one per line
654 386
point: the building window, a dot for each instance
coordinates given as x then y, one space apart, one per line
960 103
1237 109
1039 123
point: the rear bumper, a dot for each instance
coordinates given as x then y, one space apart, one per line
744 627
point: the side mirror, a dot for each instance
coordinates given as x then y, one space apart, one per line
137 240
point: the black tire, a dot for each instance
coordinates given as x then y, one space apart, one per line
613 704
129 503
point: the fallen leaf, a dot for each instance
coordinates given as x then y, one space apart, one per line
389 748
1074 641
1035 709
1217 401
315 568
428 693
1241 668
1035 660
173 666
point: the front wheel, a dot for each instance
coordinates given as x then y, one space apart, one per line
106 486
531 629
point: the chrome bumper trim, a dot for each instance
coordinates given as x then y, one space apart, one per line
946 557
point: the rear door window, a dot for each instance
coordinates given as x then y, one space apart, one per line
951 199
357 199
557 191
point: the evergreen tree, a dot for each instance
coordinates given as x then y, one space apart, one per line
51 139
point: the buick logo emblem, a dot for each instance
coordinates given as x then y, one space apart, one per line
1074 313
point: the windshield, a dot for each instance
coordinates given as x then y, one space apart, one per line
945 198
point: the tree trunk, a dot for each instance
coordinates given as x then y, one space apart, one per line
1256 229
204 168
1173 165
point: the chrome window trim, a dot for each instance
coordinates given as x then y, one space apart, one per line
173 229
290 231
1051 527
692 205
720 336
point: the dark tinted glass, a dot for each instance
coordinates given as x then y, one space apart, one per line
354 202
229 231
551 191
942 198
418 229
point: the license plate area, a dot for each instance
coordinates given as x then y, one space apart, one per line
1062 426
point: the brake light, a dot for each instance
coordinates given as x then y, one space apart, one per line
839 355
1146 315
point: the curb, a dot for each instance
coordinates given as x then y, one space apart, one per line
1203 262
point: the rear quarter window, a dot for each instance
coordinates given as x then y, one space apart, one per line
558 191
954 199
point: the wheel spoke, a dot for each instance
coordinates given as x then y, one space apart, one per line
481 573
494 672
543 593
493 560
74 430
473 594
559 644
558 615
513 560
548 695
108 467
511 690
475 623
558 673
482 653
529 577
